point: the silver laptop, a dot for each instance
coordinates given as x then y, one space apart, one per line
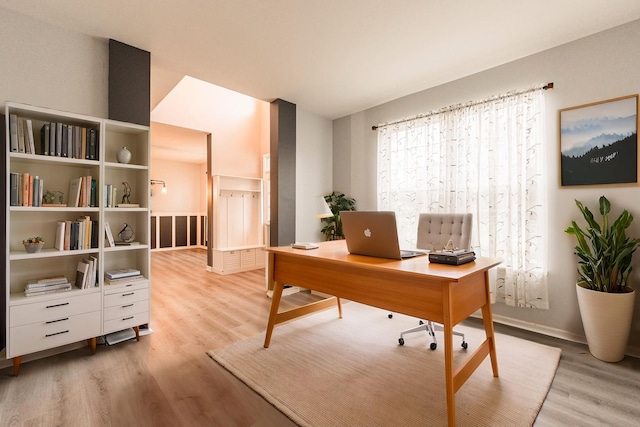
373 233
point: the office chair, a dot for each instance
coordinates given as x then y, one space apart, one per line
434 232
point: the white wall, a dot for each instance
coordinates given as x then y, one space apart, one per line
599 67
313 172
185 191
50 67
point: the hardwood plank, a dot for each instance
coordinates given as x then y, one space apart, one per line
166 379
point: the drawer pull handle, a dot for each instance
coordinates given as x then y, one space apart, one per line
130 293
59 320
57 333
57 305
128 305
128 318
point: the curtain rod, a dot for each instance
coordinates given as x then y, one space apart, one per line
548 86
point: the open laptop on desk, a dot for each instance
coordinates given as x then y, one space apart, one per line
373 233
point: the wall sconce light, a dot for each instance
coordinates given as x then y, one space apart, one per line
158 182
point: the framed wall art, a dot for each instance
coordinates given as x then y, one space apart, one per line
599 143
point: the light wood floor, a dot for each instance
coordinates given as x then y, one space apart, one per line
166 379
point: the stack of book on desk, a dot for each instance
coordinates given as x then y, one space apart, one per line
46 285
118 277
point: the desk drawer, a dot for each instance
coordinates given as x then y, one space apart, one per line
126 322
126 296
54 333
54 308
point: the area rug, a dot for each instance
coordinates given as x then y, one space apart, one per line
325 371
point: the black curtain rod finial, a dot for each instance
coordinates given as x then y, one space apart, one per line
548 86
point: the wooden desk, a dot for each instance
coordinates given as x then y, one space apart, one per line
437 292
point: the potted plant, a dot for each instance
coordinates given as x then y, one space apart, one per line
605 299
337 202
33 244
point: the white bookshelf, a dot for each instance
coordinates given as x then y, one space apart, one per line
38 323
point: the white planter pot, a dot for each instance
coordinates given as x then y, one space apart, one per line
606 318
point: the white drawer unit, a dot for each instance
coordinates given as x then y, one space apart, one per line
57 321
236 260
126 306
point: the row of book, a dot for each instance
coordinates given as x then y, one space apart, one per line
46 285
56 139
87 273
25 189
80 234
82 192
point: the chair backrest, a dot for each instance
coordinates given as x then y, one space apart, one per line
435 230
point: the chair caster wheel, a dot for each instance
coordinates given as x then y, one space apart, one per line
421 323
401 341
433 346
465 345
390 315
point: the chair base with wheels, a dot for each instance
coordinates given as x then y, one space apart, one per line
430 327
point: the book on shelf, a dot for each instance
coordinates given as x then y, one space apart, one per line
46 286
48 280
29 140
59 242
121 273
74 192
13 132
128 205
33 293
124 280
21 146
45 133
59 129
14 185
82 274
108 234
67 235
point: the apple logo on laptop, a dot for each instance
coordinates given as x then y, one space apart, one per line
367 232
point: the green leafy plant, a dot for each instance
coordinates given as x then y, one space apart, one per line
33 240
337 202
604 251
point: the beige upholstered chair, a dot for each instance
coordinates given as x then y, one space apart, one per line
434 232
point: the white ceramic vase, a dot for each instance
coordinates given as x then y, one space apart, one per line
124 155
606 318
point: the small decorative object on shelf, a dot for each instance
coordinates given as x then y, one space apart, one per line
126 234
124 155
33 244
53 198
126 197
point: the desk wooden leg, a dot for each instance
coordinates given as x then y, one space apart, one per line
487 319
275 304
339 308
448 358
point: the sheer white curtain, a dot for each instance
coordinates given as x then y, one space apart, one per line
486 158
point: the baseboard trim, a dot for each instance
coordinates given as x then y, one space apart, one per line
548 331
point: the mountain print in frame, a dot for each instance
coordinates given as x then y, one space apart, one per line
599 143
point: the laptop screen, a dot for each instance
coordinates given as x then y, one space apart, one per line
373 233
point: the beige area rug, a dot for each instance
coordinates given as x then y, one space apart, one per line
325 371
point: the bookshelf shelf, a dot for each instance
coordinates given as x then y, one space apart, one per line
91 146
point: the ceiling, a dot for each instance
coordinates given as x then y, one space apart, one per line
330 57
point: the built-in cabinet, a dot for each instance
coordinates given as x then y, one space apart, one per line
36 323
237 219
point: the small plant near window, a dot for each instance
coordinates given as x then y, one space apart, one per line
337 202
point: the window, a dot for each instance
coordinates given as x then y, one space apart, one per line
485 158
